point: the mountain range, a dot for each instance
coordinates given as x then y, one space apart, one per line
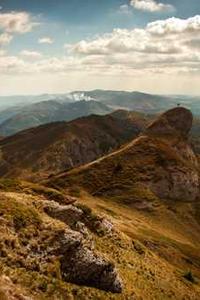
20 118
30 111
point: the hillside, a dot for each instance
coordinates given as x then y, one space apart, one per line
20 118
160 160
95 249
53 148
123 227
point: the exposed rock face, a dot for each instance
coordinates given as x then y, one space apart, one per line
175 121
79 218
179 179
81 265
68 214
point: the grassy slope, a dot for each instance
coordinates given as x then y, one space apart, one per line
152 250
52 148
157 249
120 173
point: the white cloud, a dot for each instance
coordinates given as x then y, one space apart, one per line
124 9
46 40
151 6
16 22
2 52
167 47
11 64
5 39
163 46
175 26
31 54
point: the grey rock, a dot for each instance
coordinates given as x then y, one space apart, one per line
68 214
81 265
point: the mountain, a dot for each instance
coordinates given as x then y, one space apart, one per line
125 226
23 100
136 101
159 161
48 112
23 112
55 147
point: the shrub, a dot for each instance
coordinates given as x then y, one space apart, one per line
189 276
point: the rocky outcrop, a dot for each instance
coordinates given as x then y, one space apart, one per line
81 265
176 121
176 179
68 214
79 217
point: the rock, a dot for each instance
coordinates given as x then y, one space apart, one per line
103 226
175 121
81 265
176 174
68 200
79 218
68 214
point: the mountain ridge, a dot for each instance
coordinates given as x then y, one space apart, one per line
59 146
159 160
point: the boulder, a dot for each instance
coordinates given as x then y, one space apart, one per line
81 265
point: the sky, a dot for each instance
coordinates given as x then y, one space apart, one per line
57 46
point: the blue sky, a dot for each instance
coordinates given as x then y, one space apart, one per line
74 44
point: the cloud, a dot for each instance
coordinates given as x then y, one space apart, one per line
164 45
5 39
11 64
46 40
16 22
2 52
151 6
31 54
174 26
193 43
124 9
168 46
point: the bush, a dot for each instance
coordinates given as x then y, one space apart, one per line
189 276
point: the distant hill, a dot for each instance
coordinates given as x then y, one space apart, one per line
47 112
136 101
23 112
56 147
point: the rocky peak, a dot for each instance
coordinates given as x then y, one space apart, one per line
175 122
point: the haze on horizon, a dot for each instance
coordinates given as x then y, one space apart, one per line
58 46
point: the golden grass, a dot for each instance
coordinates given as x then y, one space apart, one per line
151 250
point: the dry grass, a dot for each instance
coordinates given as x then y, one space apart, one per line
152 250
